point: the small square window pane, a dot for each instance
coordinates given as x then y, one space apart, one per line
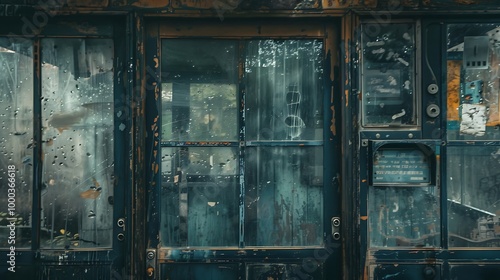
284 90
284 194
199 194
404 217
199 90
473 187
473 59
388 75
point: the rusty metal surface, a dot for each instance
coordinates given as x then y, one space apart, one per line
245 29
88 3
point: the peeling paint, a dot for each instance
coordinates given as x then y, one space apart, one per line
346 93
151 3
87 3
333 128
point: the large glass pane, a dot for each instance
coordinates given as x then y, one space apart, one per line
473 65
284 90
284 194
199 93
473 185
404 217
77 118
200 196
16 134
388 75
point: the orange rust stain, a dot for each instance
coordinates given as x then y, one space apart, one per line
155 152
365 273
154 127
364 180
156 63
156 134
151 3
156 168
346 93
333 128
157 92
364 218
87 3
453 89
466 2
156 143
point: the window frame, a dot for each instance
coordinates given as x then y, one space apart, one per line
242 30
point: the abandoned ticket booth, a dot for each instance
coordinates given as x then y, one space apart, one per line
222 139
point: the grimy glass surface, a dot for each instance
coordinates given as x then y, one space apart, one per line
77 148
202 203
284 89
473 186
16 134
473 82
284 196
199 194
199 96
404 217
388 75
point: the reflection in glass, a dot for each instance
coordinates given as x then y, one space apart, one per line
199 96
200 191
404 216
473 78
388 74
208 107
77 115
284 194
473 181
16 134
284 90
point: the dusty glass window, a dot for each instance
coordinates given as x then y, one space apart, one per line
242 151
473 186
77 148
403 199
473 67
473 113
16 134
388 75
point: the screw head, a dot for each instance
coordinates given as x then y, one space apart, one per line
151 255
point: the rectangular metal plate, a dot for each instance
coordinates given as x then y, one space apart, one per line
400 166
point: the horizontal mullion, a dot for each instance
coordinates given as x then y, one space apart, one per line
283 143
200 143
473 143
